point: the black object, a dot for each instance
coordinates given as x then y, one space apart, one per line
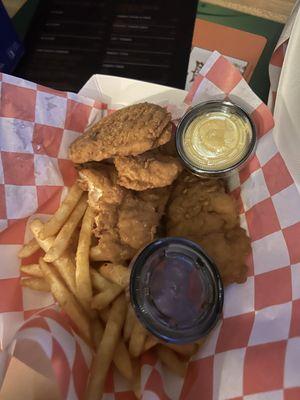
176 290
11 49
70 40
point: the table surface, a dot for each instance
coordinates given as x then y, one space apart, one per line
274 10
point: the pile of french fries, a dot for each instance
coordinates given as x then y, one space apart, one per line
94 296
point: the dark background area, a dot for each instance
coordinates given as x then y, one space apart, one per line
70 40
67 41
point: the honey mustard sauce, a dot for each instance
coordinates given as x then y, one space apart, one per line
217 140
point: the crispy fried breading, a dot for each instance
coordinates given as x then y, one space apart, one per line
202 211
129 131
138 221
146 171
125 220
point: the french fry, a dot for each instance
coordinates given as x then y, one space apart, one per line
116 273
83 278
121 358
74 241
169 358
106 350
103 299
66 300
96 254
150 342
32 269
104 314
129 323
99 282
64 236
186 350
29 248
63 264
36 284
97 332
53 226
137 339
122 361
136 383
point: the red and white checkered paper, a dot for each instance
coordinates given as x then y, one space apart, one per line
254 352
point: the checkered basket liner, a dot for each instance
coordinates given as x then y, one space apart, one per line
254 352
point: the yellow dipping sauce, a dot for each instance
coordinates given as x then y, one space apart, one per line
217 140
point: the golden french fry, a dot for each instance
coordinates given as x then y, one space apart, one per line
137 339
116 273
32 269
66 300
121 358
104 314
63 264
97 332
99 282
28 249
129 323
64 236
106 350
103 299
122 361
96 254
83 278
74 240
36 284
136 383
150 342
187 350
53 226
169 358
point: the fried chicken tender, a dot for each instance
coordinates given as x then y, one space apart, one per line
125 220
101 185
202 211
158 197
110 248
229 250
138 221
146 171
129 131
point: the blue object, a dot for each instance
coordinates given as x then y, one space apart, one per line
11 48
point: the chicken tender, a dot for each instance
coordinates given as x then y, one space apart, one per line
229 251
101 186
129 131
158 197
125 221
147 171
138 221
200 206
104 195
110 248
202 211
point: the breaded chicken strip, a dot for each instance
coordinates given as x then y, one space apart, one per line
138 221
146 171
129 131
202 211
125 221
